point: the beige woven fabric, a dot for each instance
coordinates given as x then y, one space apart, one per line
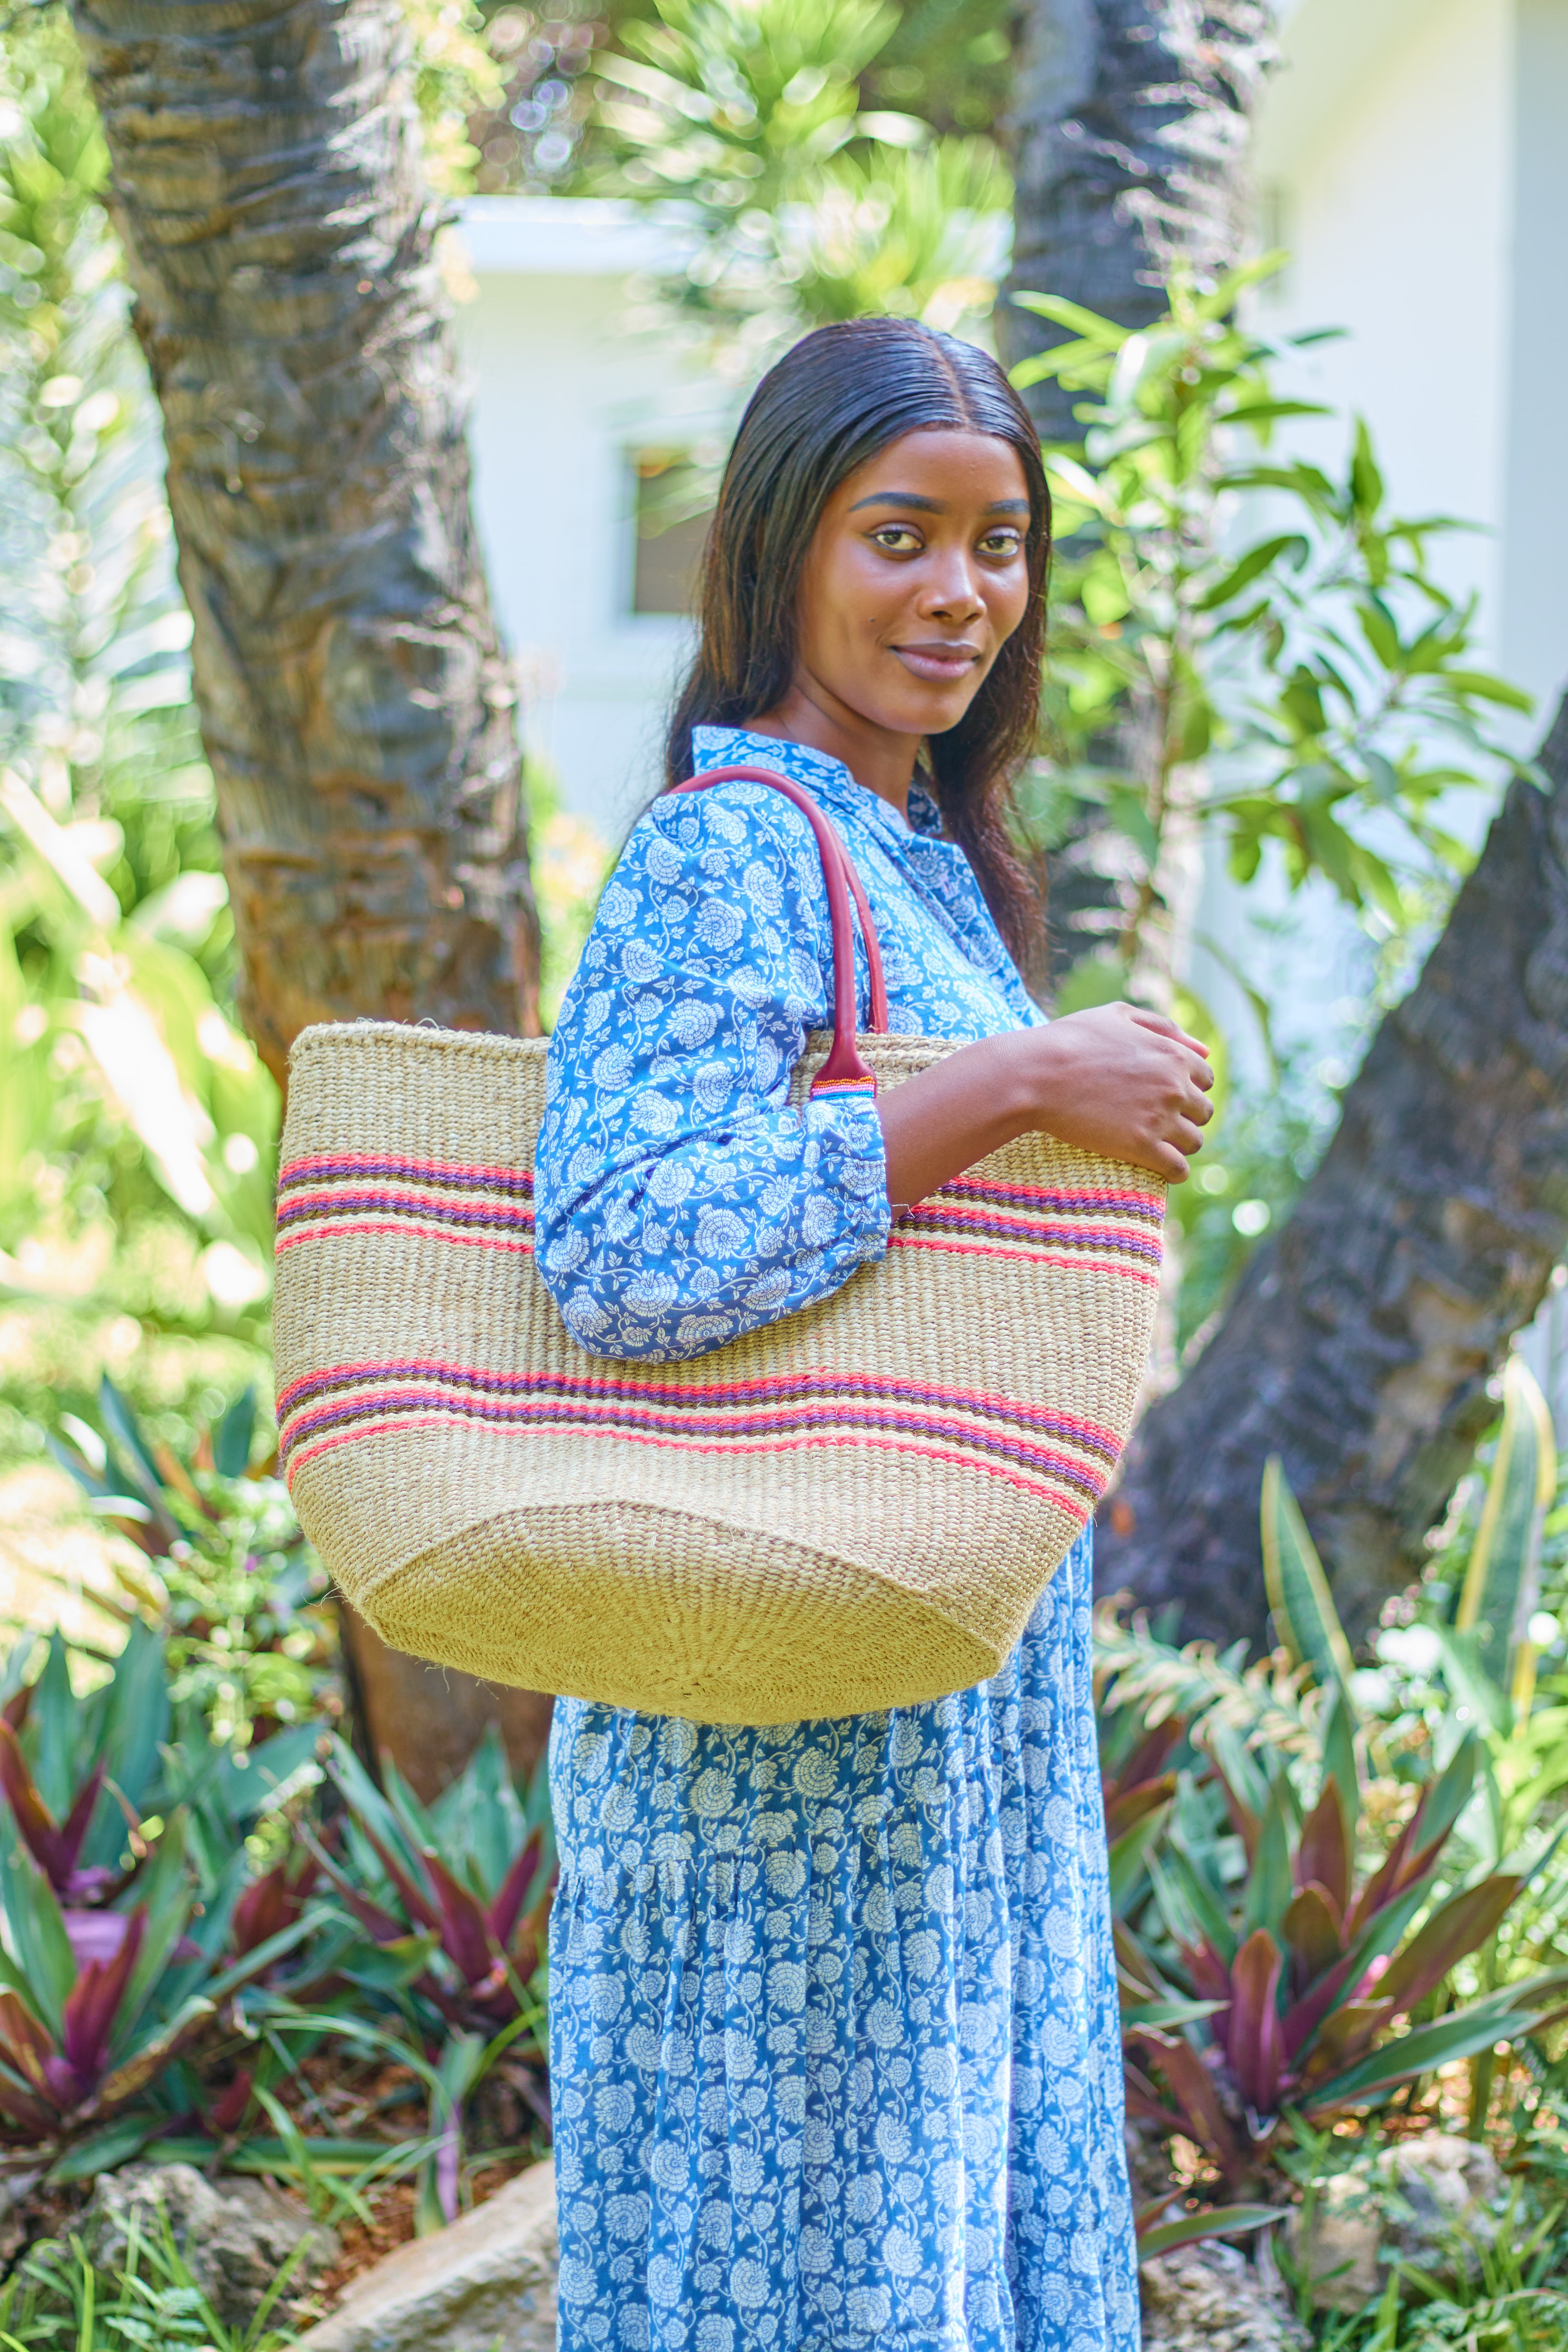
853 1508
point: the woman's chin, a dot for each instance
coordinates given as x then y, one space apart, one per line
920 710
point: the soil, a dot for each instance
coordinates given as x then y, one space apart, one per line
392 2225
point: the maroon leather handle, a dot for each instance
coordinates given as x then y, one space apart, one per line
845 1066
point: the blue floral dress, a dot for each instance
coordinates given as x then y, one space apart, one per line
834 2035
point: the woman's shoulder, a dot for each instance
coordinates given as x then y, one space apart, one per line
709 838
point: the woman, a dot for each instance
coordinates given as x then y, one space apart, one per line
833 2012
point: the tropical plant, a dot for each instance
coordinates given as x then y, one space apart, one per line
1288 691
124 1086
1249 2001
130 1897
89 1778
235 1591
1326 1351
100 2006
1277 1954
804 209
459 1891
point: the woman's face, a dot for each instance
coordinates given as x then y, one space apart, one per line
915 580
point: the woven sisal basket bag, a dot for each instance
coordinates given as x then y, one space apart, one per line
853 1508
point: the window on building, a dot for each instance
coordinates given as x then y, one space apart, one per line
671 525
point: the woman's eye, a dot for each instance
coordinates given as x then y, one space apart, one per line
1003 543
897 538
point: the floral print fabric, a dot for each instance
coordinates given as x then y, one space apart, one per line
680 1199
834 2033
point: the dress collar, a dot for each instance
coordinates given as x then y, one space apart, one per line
825 778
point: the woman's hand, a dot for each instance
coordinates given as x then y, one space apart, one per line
1118 1080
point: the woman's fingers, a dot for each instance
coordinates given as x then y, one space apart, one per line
1165 1027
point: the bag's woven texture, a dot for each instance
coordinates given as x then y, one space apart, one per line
853 1508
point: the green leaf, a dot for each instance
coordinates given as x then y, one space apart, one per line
126 1436
1304 1614
232 1435
1447 1796
1224 2221
387 1967
105 2151
36 1931
1341 1758
1365 481
1208 1906
1270 1885
1259 559
1472 1682
165 1889
1500 1581
1487 688
246 1783
56 1722
1377 627
1460 2035
1127 1854
1169 2012
1063 313
136 1726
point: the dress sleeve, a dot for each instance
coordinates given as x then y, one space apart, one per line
680 1199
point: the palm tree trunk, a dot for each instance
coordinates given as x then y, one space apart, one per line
356 703
1360 1342
1130 127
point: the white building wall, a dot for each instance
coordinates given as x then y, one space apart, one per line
1414 153
1390 151
563 387
1533 516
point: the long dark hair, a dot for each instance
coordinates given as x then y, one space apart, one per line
830 403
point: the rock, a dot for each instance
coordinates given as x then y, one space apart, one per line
235 2234
1210 2298
1339 2247
1434 2187
484 2284
16 2188
1416 2201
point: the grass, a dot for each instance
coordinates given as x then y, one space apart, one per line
56 2300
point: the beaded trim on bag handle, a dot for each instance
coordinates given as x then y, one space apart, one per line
844 1070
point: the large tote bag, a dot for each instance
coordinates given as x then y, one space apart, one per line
856 1508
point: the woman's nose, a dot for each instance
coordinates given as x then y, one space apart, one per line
952 590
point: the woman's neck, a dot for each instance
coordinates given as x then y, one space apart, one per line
884 763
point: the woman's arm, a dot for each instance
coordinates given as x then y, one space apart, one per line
681 1198
1118 1080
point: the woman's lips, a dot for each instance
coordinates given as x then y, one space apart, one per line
939 663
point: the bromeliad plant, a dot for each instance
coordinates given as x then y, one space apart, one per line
92 2028
455 1894
89 1782
1250 1996
129 1905
1276 1957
